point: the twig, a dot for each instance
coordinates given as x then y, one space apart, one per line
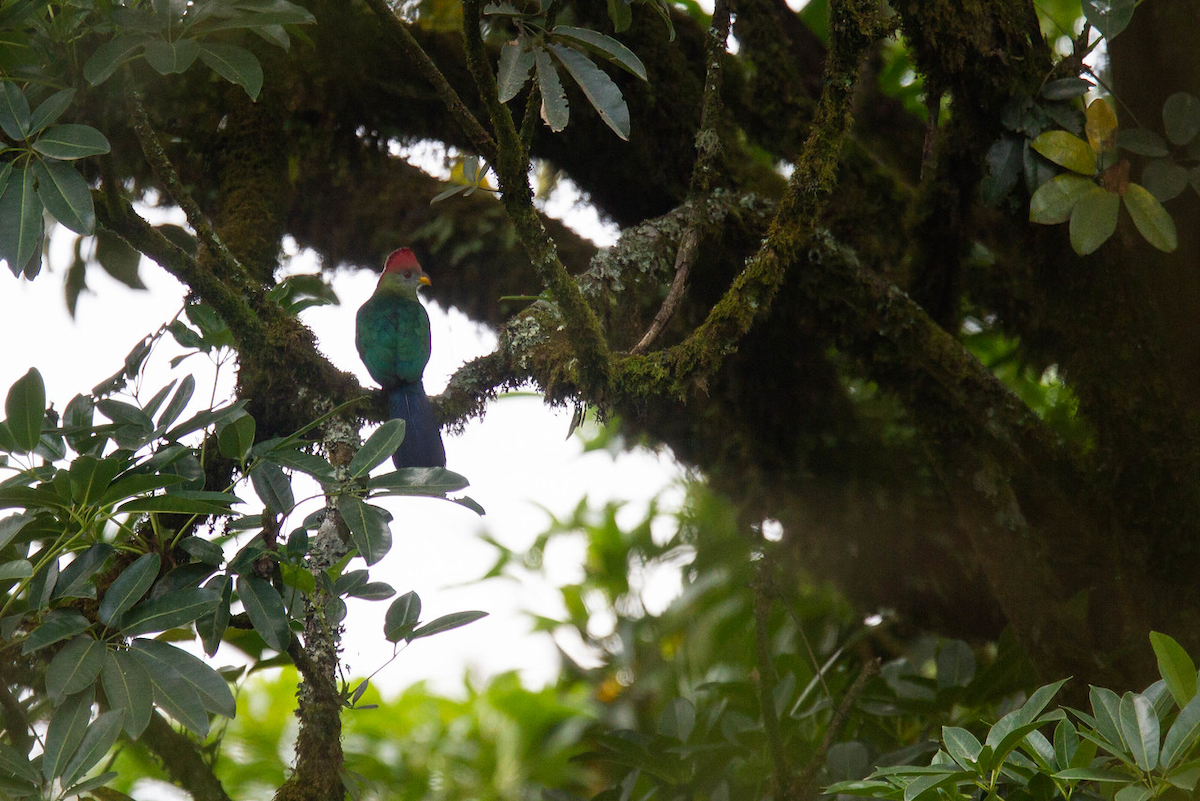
708 149
480 138
165 170
833 731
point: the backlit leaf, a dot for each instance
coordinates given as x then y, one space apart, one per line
1067 150
1053 201
1101 126
1094 219
1109 17
1152 220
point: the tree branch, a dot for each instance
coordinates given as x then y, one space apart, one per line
182 759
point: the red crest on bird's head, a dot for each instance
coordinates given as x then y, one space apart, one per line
402 259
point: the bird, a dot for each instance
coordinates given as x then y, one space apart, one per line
391 332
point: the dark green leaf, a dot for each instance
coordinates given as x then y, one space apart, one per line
75 667
173 694
202 550
621 14
211 627
119 260
962 745
15 764
110 55
57 626
172 58
16 569
597 87
1066 88
606 46
315 466
555 109
21 224
133 484
70 142
265 609
50 110
1181 117
173 609
125 413
14 111
179 402
183 502
11 526
76 580
234 64
213 690
1152 220
26 408
65 195
955 665
368 527
1165 179
373 591
91 477
101 735
77 422
204 419
446 623
128 588
515 63
402 617
433 481
236 437
128 688
1109 17
68 725
1182 735
378 448
1094 219
1143 142
1093 775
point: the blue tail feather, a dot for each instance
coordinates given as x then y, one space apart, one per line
422 445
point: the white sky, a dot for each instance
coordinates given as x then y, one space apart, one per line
517 459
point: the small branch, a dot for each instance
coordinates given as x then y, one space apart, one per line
165 170
803 786
183 760
708 149
480 138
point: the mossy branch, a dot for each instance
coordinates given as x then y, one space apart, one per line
183 760
480 138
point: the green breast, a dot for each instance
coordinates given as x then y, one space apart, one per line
392 336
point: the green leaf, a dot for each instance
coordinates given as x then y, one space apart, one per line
368 527
128 588
110 55
133 484
315 466
128 688
1175 666
14 111
20 221
26 408
433 481
17 765
273 487
173 694
1093 775
1109 17
962 745
172 58
373 591
597 87
1139 730
16 569
402 617
955 665
213 690
173 609
1067 150
11 526
1066 88
70 142
50 110
191 502
621 14
1181 117
606 46
1094 219
234 64
211 627
57 626
265 609
1152 220
236 437
76 580
1165 179
446 623
75 667
178 402
1182 735
555 109
101 735
1143 142
1066 743
515 63
378 447
90 477
65 195
68 725
678 719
